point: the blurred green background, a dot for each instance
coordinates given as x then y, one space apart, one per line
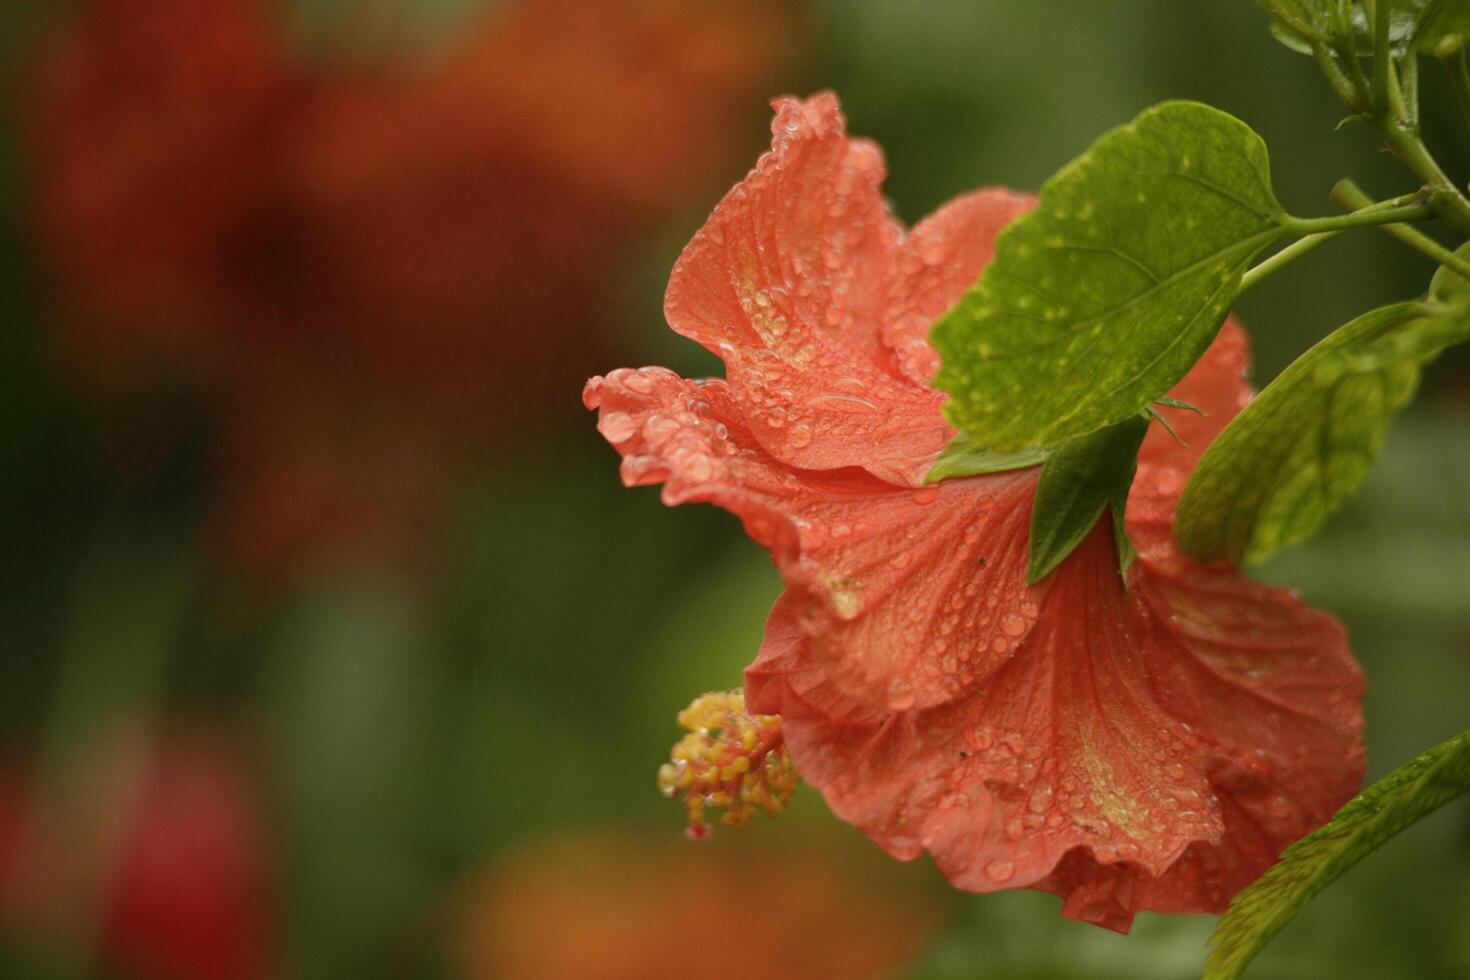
330 645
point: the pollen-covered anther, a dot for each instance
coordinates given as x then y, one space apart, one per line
730 760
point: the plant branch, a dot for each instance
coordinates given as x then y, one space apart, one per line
1346 78
1446 199
1348 90
1283 258
1350 195
1302 246
1390 213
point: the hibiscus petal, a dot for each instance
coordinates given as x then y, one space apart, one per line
1270 689
941 259
913 596
1062 748
787 282
1148 750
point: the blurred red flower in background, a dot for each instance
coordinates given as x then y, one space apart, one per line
368 273
604 907
164 849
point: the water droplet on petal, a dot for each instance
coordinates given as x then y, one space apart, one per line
926 495
1013 624
837 402
698 467
659 428
617 426
846 604
900 694
800 435
1167 481
1000 870
900 560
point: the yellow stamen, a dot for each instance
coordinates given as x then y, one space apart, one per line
729 760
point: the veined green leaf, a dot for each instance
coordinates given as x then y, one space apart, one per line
1078 481
1104 295
1312 863
1300 447
965 457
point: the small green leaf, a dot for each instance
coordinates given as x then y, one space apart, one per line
1121 540
1291 38
1168 402
1311 20
964 457
1079 479
1300 447
1104 295
1339 24
1381 811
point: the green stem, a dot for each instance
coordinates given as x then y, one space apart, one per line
1382 61
1341 69
1301 247
1406 90
1349 56
1451 54
1348 92
1390 214
1283 258
1448 203
1350 195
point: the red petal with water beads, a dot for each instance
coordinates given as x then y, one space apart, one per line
941 259
1144 748
803 283
911 596
1153 749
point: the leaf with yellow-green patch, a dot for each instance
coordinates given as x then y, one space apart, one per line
1311 864
1291 457
1102 297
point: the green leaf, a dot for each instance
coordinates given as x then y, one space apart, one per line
1305 443
1104 295
1168 402
965 457
1312 20
1396 801
1078 480
1340 24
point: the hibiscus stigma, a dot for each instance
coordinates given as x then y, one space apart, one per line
730 760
